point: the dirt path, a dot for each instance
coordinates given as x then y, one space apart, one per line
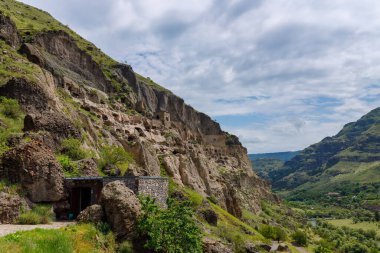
275 246
301 250
11 228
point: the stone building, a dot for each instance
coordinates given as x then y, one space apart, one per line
85 191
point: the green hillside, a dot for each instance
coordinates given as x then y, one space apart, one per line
283 156
344 168
264 166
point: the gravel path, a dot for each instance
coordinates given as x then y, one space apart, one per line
11 228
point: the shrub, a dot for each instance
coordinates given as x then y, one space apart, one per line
72 148
171 230
300 238
275 233
29 218
70 168
111 155
126 247
10 108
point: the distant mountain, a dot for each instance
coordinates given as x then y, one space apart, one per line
283 156
265 163
347 164
263 166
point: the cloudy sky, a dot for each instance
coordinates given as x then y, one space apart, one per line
280 74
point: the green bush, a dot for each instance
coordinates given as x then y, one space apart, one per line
111 155
126 247
70 168
300 238
171 230
10 108
72 148
275 233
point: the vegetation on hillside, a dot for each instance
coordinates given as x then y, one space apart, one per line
79 238
11 121
264 166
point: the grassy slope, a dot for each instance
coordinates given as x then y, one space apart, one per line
78 238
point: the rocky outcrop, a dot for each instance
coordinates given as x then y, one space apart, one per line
210 216
32 97
57 52
92 214
283 248
54 122
146 157
215 246
150 101
8 31
88 167
11 207
35 168
122 209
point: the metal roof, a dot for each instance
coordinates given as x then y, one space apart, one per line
114 178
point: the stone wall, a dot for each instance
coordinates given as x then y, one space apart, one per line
155 187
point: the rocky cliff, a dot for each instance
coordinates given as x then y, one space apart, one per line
69 89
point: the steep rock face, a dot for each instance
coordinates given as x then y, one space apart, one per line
36 169
57 52
166 134
151 101
122 208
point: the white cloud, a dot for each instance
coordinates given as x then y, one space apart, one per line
285 59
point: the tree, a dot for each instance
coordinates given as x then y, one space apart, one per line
300 238
171 230
377 216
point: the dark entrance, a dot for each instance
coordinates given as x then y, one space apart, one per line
80 199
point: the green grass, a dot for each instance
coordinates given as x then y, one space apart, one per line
83 238
40 214
9 188
193 196
360 225
15 65
9 125
233 230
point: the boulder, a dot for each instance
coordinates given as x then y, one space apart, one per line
283 248
36 169
251 248
88 167
265 247
122 209
92 214
210 216
11 207
214 246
